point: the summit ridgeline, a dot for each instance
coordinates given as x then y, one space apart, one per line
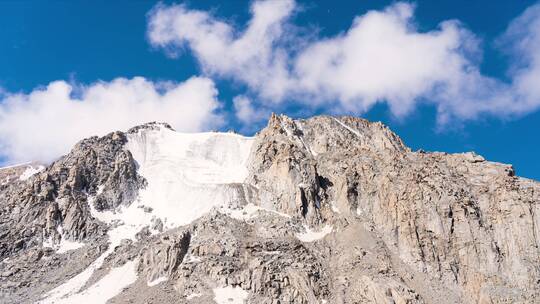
319 210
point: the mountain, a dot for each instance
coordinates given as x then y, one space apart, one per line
322 210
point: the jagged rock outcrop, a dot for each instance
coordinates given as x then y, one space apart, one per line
332 210
52 206
53 203
468 223
160 259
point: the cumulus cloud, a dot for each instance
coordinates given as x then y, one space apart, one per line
252 56
522 40
246 112
382 57
46 122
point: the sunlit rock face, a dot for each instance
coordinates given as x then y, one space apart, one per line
321 210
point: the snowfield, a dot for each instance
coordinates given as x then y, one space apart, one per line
188 174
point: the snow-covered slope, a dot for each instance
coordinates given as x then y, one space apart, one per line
188 174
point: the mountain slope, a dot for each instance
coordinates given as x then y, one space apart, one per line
323 210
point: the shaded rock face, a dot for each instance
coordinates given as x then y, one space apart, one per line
334 210
290 158
53 204
161 259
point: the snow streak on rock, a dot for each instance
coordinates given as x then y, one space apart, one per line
108 287
230 295
31 170
311 236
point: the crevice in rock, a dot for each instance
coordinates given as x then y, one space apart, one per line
452 220
305 206
184 246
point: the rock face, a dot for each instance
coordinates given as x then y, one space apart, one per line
332 210
53 203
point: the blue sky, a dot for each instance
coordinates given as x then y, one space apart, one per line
81 42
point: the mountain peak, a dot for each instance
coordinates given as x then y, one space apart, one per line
322 134
324 209
150 126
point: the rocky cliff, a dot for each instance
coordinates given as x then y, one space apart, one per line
323 210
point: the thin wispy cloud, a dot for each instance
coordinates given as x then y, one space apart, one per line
382 57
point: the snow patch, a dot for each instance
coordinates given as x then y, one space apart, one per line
334 207
31 170
128 221
66 245
67 291
108 287
310 235
193 296
48 243
192 259
5 181
157 281
347 127
230 295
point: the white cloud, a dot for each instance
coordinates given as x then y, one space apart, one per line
45 123
246 113
252 56
522 38
382 57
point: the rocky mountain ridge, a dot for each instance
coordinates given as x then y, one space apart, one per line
328 210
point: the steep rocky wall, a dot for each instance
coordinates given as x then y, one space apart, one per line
465 222
53 203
